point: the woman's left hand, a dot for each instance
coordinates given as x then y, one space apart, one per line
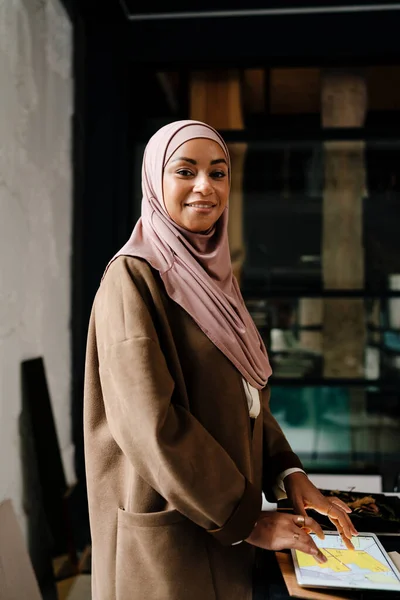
303 494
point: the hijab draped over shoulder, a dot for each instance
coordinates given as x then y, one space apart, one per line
196 268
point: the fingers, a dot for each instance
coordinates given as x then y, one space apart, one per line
303 542
347 542
341 504
337 515
309 524
299 508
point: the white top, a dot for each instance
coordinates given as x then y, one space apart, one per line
253 399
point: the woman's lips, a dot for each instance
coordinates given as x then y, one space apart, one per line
201 207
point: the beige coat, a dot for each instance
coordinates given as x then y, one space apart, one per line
174 472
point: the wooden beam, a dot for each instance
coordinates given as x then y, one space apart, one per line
254 101
295 91
216 98
344 104
383 87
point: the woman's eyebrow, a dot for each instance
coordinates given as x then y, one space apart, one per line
194 162
184 158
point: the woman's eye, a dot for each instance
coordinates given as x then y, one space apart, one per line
218 174
185 172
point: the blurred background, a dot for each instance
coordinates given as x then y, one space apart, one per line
307 95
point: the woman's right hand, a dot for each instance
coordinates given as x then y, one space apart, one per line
279 531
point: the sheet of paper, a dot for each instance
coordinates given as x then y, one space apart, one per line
395 556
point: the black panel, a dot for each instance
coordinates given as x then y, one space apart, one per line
290 39
132 7
246 41
40 541
45 457
102 123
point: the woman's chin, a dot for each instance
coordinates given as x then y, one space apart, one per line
198 225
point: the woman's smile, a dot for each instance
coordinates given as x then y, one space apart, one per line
201 207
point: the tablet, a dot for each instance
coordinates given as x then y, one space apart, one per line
367 567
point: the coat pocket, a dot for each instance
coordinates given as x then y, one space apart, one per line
161 556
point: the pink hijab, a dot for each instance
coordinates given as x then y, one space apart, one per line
196 267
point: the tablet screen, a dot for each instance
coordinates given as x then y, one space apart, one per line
366 567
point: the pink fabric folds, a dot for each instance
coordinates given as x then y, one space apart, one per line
196 267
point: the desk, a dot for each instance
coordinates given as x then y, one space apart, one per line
285 563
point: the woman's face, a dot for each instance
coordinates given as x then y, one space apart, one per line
196 184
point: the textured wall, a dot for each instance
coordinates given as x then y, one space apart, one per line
35 218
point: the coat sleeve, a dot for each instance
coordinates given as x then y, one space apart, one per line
277 452
165 444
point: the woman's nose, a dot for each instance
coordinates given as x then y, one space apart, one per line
203 186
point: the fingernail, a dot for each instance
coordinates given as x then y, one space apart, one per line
321 558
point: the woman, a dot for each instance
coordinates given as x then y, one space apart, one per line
179 439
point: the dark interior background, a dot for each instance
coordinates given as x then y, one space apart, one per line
120 101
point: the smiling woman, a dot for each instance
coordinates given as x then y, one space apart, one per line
177 420
196 184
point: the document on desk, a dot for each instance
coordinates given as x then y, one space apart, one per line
368 566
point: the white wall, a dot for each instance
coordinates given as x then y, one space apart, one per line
35 218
